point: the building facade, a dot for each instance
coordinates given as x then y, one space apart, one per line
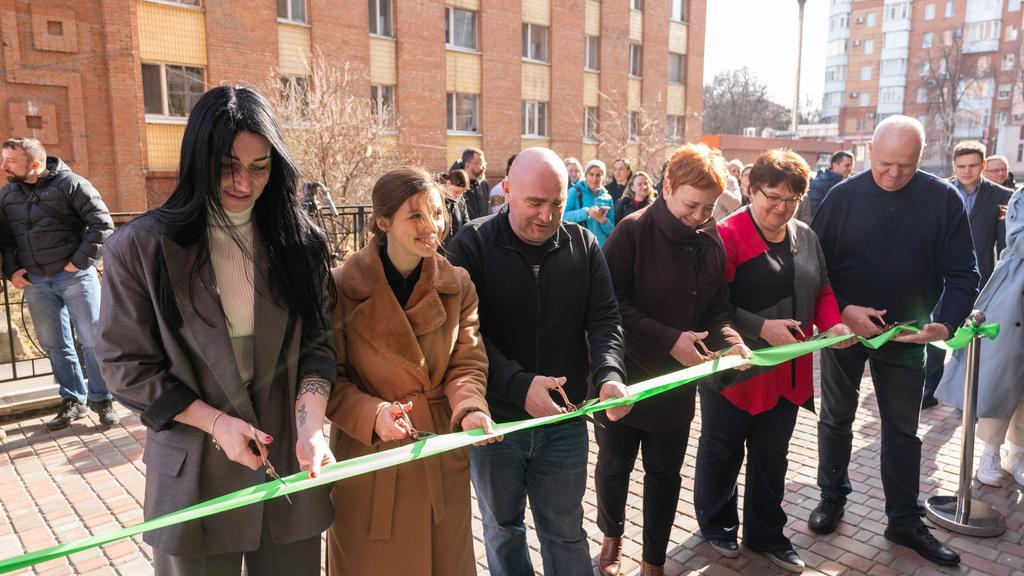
107 84
953 64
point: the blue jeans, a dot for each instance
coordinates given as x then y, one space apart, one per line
548 464
55 303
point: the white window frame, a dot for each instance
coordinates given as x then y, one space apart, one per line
866 72
675 129
924 68
869 46
634 127
929 12
871 19
379 20
636 60
1004 92
637 5
290 17
950 9
922 95
452 114
531 30
449 30
681 58
927 40
592 58
165 115
535 119
382 98
1009 61
1011 33
864 99
677 13
591 123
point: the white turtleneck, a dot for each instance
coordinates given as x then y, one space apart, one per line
233 271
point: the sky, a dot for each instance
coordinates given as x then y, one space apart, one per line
762 35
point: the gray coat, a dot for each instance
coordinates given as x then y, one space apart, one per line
1001 377
151 364
60 219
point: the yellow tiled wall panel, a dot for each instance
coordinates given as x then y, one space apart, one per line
467 4
675 99
591 89
531 142
677 37
163 146
636 26
171 34
456 144
463 72
589 153
293 48
633 153
382 61
537 12
634 94
592 18
536 82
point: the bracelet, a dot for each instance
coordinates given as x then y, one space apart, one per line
213 427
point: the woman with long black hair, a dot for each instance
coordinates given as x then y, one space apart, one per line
216 330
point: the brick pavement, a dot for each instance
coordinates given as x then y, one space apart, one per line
56 487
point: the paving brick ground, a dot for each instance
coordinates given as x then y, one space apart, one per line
57 487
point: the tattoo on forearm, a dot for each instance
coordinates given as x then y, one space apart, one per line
315 385
303 415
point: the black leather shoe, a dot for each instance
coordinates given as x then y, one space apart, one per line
920 540
70 409
727 548
826 516
787 560
928 401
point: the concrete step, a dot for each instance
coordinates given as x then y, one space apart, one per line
21 398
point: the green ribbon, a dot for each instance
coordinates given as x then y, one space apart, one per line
446 442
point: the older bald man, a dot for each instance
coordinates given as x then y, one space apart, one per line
895 239
550 320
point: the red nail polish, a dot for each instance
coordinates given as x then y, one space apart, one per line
268 439
312 474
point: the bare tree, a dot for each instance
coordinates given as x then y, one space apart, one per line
338 136
951 80
620 128
738 99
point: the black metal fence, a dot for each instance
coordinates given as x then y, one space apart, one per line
21 356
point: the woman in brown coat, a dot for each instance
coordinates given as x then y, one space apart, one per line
408 343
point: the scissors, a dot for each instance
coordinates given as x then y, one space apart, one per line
572 407
407 424
886 327
257 447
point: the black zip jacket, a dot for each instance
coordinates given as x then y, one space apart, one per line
543 326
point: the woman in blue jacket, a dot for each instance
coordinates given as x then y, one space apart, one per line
590 205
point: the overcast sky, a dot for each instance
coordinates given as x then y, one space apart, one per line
762 34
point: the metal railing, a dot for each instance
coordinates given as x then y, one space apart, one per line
21 356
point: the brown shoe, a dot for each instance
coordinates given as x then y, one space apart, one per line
651 570
610 560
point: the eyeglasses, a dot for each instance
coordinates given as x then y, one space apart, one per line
774 201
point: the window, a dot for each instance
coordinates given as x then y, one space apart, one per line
171 90
1004 92
592 56
1009 59
865 100
922 95
636 55
1011 33
924 68
636 4
950 8
927 39
896 39
634 126
1013 5
862 125
679 10
947 37
980 31
865 73
837 47
871 18
292 10
535 119
1001 118
984 65
839 22
890 95
675 131
893 67
590 124
869 46
382 96
535 42
460 28
380 17
897 11
835 73
675 68
929 12
295 92
463 112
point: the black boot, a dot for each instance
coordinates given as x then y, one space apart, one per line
105 409
920 540
70 409
826 516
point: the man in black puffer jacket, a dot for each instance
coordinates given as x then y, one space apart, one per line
52 225
840 167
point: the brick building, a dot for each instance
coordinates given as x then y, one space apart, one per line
107 84
931 59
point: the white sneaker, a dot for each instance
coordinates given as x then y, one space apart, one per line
1017 467
989 471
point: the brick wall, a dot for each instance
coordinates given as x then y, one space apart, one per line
420 93
697 14
567 47
501 82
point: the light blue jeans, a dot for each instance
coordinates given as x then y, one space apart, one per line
56 302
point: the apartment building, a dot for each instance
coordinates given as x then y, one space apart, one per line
953 64
107 84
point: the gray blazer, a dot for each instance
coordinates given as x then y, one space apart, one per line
155 366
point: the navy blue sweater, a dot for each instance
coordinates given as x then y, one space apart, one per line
899 251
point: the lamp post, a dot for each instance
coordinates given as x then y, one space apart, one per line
799 57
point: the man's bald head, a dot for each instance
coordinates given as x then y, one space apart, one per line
536 190
905 130
896 149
